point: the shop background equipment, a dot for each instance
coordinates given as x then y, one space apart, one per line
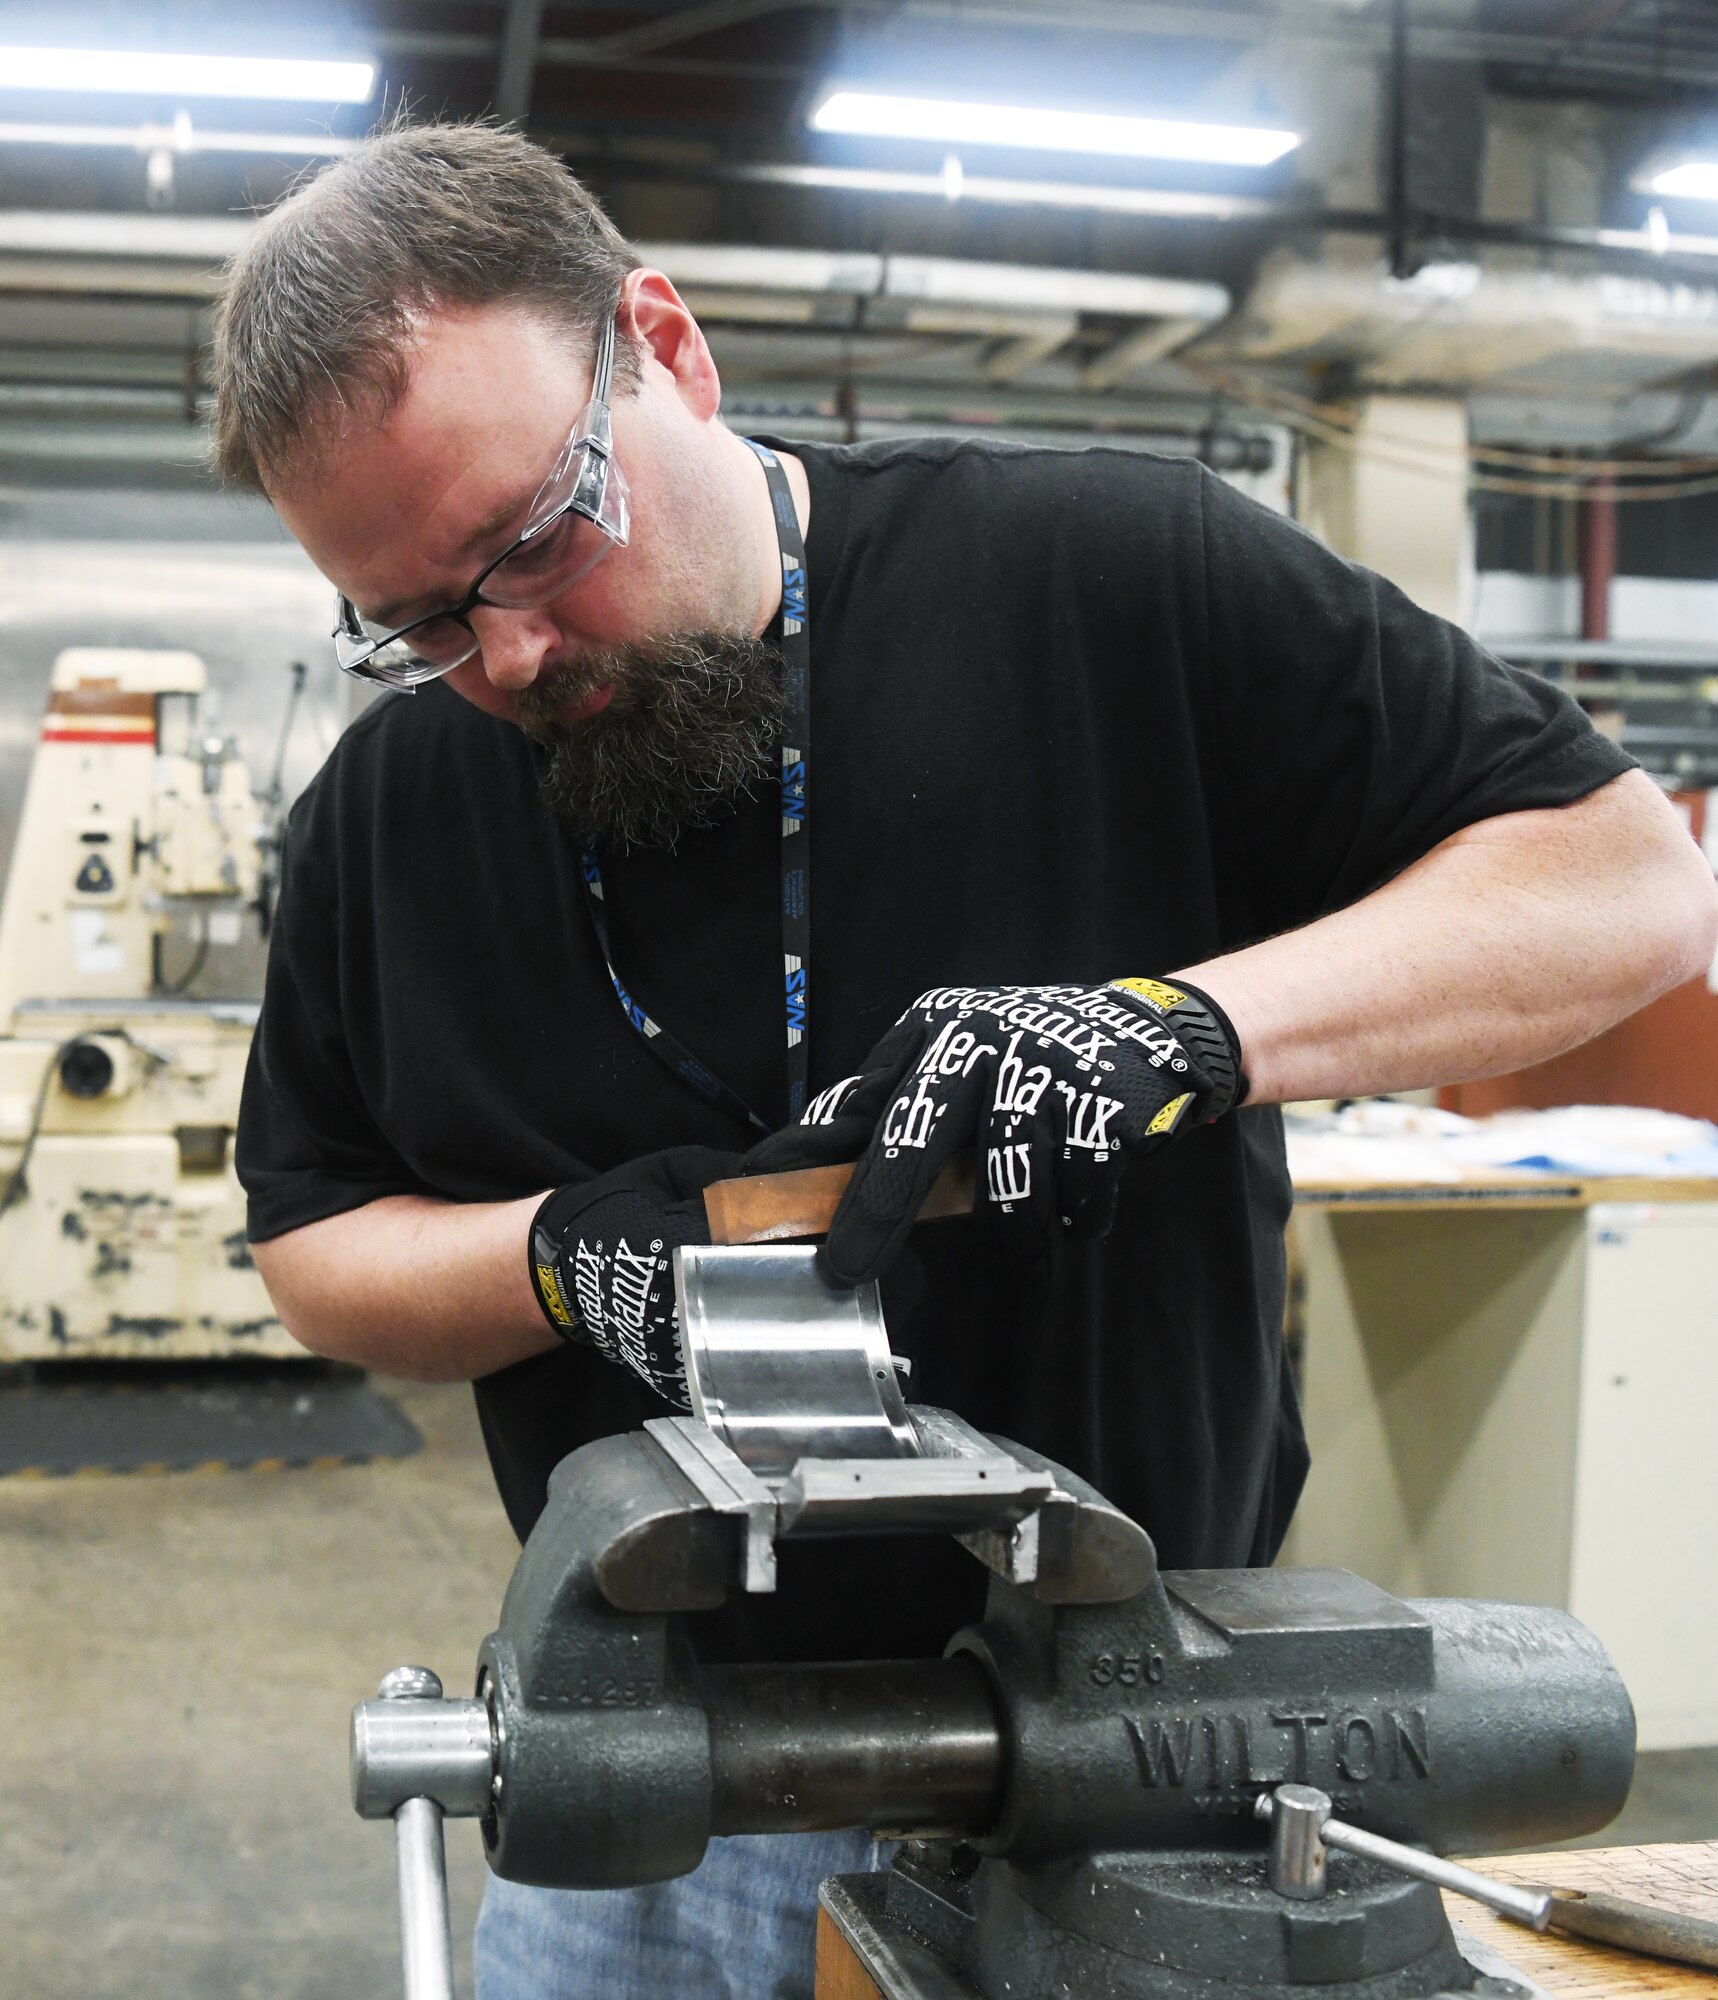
121 1220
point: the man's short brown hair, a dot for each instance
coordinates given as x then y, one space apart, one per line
318 310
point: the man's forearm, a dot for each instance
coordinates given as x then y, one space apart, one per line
1515 939
430 1290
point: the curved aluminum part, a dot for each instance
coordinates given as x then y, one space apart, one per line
781 1364
413 1748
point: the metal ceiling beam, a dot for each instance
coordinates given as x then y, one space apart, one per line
521 38
1009 359
1135 351
688 23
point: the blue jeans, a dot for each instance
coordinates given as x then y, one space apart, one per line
742 1927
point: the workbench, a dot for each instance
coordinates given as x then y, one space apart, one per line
1680 1876
1508 1386
1676 1877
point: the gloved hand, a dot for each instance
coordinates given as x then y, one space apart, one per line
602 1258
1055 1084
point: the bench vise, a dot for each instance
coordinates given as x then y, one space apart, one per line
1097 1744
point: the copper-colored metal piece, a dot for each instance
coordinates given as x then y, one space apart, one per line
780 1208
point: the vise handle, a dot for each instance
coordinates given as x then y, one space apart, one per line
778 1208
1302 1828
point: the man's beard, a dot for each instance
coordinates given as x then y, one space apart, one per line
694 723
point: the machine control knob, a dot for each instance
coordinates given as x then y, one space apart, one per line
86 1070
94 878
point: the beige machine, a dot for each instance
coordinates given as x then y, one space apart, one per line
121 1220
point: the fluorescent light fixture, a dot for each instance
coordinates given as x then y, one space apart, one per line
1694 180
953 122
179 137
1179 204
959 186
139 73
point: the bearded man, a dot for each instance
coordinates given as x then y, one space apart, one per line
1165 814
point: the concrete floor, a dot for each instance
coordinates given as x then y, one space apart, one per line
179 1656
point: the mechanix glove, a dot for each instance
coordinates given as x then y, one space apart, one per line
602 1258
1054 1084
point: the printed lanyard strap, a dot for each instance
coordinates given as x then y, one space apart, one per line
795 627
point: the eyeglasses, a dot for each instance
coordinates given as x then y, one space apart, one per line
580 512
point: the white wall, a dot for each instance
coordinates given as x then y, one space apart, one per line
1508 605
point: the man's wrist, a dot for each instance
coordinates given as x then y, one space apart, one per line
1207 1032
1202 1026
543 1253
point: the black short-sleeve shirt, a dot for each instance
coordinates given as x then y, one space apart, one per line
1075 715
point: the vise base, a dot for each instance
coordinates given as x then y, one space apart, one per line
945 1924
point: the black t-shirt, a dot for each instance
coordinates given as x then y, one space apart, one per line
1074 716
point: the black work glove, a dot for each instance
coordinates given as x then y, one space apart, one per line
1055 1084
602 1258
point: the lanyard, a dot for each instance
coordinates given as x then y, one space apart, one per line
795 843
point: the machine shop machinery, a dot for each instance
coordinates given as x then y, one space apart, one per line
1081 1783
121 1220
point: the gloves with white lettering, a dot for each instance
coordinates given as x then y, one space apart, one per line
602 1258
1055 1084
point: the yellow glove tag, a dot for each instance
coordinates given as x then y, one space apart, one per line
553 1297
1153 990
1169 1117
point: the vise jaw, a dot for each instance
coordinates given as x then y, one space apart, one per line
590 1672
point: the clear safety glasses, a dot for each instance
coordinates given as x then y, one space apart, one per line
580 512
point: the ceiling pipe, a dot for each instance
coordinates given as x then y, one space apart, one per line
1598 557
1396 135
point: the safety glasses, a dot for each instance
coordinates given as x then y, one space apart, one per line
580 512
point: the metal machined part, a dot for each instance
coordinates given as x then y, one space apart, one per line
1012 1510
980 1492
891 1496
781 1364
727 1486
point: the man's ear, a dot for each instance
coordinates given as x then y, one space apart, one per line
665 335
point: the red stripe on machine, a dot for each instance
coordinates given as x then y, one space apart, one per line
125 734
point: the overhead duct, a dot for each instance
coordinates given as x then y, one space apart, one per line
1467 326
1028 311
144 256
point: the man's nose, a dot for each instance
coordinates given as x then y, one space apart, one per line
515 644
